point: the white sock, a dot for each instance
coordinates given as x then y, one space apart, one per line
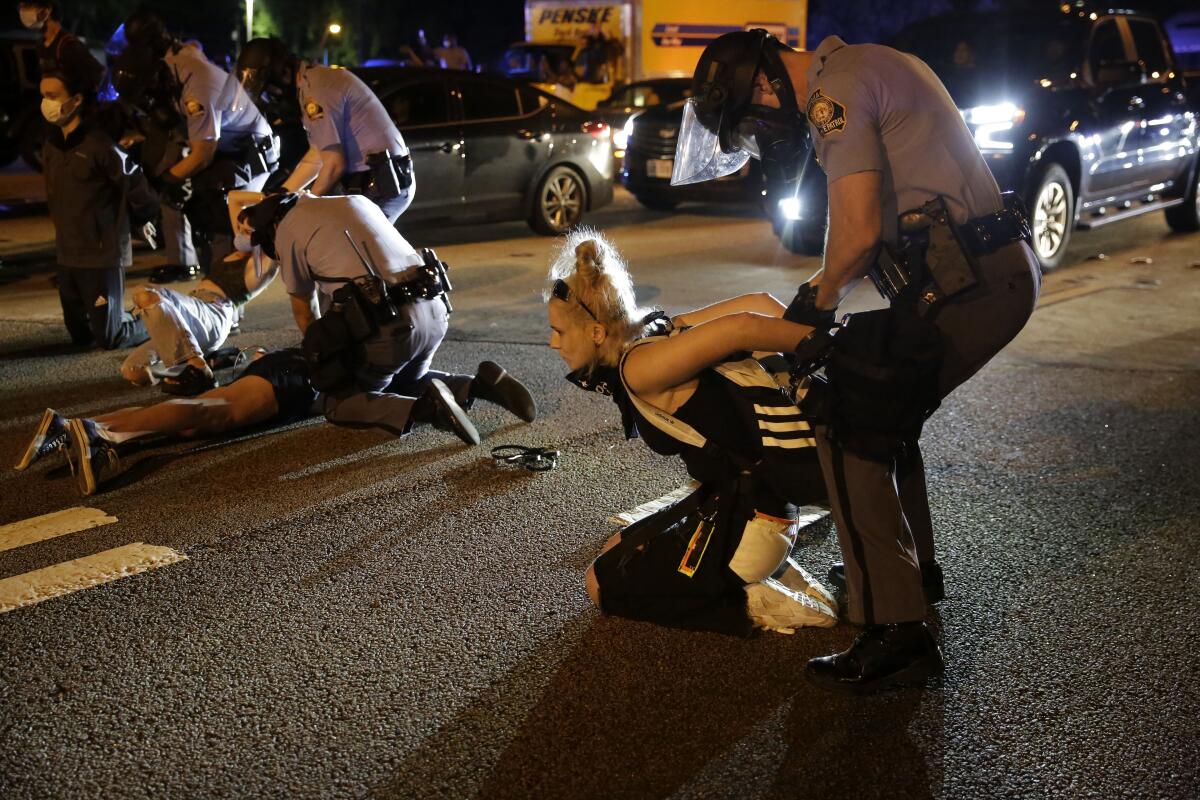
116 437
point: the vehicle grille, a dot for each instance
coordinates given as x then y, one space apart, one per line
648 140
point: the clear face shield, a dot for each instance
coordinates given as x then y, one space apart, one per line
239 91
698 153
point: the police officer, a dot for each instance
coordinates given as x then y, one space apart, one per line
913 205
230 144
373 312
354 146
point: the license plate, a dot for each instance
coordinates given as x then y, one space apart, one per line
659 167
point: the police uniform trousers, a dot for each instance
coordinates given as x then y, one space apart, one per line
208 208
176 230
881 508
395 371
93 306
393 207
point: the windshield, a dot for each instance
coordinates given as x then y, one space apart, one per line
994 46
537 62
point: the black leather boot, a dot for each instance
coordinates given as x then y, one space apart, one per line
932 580
493 383
438 407
883 656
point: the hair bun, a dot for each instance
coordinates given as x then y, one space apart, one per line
589 253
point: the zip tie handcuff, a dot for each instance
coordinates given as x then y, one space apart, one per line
534 459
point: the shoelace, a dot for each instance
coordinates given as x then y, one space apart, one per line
534 459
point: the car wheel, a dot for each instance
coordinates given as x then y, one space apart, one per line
655 203
1052 215
1185 218
559 202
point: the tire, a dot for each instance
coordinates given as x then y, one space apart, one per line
1052 215
1186 218
559 202
656 203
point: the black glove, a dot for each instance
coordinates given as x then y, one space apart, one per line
803 309
176 191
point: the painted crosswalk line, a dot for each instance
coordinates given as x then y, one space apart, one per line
808 514
48 526
83 573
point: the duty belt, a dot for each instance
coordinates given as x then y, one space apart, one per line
906 268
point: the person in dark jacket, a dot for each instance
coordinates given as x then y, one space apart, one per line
59 50
90 188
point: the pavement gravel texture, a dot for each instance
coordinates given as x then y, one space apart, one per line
365 617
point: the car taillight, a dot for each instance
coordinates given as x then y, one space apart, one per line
596 128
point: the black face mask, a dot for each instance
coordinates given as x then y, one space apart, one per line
606 381
778 138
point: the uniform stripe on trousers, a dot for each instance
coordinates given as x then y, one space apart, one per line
839 478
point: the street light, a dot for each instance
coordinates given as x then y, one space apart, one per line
333 29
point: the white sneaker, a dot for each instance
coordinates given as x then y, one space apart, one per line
798 579
773 606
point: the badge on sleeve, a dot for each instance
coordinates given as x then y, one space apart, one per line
193 107
313 110
826 114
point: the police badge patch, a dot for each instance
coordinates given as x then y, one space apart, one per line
193 107
313 110
825 113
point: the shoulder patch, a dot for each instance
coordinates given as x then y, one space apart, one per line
826 114
313 110
193 107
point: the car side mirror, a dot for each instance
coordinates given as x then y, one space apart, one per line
1120 72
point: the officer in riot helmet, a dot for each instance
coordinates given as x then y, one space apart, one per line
373 312
229 143
354 147
913 206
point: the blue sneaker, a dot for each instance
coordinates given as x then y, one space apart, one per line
93 458
50 436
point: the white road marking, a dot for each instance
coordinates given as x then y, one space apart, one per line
83 573
808 514
48 526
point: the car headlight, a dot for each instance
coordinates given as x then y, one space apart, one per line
789 207
621 137
991 125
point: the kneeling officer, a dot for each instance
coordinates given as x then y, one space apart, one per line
373 312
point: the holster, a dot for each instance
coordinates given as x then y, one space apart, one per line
256 152
333 344
387 176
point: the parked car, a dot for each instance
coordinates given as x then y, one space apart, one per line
489 148
20 119
1082 112
628 99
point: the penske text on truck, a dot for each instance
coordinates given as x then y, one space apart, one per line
646 38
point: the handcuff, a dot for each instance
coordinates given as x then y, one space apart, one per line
534 459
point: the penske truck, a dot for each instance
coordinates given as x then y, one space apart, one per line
581 50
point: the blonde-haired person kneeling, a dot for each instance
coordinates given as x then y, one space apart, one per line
717 560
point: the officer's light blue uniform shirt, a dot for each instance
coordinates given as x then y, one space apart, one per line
200 101
311 240
339 109
871 107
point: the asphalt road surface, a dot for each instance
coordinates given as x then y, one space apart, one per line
360 616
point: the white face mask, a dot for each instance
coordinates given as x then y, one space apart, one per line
30 18
58 112
241 243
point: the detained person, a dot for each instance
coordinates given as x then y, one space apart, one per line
718 560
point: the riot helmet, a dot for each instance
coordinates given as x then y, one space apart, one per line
141 79
264 217
145 30
722 128
265 74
